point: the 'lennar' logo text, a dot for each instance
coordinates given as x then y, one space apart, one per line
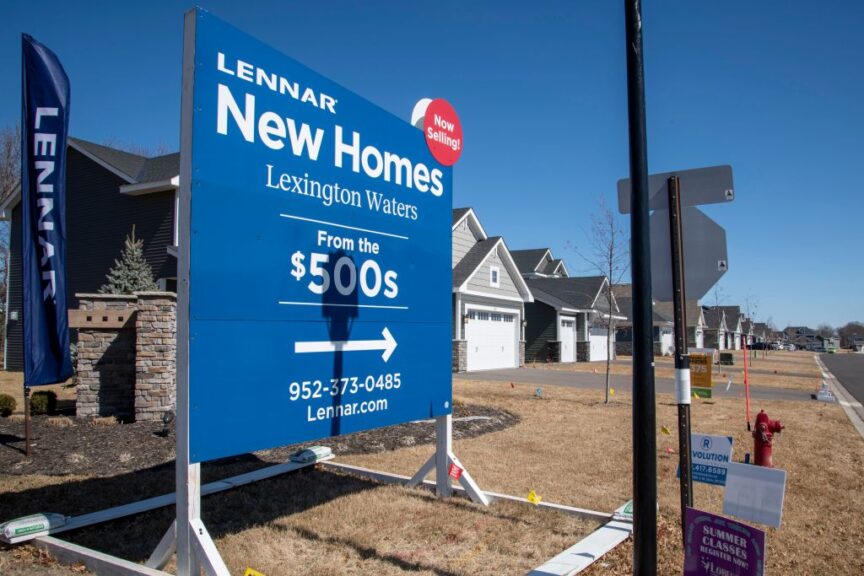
279 132
249 73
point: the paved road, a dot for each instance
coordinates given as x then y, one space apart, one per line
589 381
849 369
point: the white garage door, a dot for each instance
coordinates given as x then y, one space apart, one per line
567 335
491 340
598 344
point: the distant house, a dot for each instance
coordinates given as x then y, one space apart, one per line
747 331
830 343
663 337
715 327
858 343
568 320
539 263
108 191
734 326
694 317
489 297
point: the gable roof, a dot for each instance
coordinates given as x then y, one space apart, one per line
733 316
625 305
133 168
714 318
460 214
528 260
473 259
553 266
478 254
692 312
579 294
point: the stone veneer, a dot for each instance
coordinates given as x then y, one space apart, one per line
106 361
460 355
128 372
155 348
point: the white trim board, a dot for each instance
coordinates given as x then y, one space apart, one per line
139 189
487 295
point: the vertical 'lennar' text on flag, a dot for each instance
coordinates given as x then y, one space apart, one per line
44 126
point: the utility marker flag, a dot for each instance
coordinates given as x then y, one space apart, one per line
44 123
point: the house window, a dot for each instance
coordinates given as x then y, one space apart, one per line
494 277
167 284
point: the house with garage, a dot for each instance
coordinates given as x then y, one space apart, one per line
663 327
108 192
746 331
539 263
715 327
568 320
489 298
734 325
694 317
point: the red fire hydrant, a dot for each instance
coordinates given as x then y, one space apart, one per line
763 435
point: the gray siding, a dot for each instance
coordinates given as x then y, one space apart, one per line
98 218
463 241
541 328
479 282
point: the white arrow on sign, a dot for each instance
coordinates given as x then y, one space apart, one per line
388 345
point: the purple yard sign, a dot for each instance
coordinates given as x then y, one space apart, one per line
717 546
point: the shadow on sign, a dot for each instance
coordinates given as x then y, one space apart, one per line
340 310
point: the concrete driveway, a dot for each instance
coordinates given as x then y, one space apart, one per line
542 377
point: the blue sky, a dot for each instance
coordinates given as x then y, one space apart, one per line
773 88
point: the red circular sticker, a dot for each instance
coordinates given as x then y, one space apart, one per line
443 132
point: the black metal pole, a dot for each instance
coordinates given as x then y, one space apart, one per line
682 358
644 416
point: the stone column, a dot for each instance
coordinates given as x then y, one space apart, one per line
155 354
460 355
106 356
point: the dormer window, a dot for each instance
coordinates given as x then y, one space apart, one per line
494 277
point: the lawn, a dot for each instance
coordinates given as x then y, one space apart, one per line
569 447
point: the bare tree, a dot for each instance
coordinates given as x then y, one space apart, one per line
10 178
849 331
607 250
825 330
718 295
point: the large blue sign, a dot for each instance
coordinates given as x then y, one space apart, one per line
320 265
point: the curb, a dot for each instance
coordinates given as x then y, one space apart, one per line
854 410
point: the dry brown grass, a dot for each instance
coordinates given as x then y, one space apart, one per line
570 448
777 369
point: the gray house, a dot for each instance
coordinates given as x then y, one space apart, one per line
539 263
567 322
663 337
734 326
108 191
489 297
715 327
695 320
